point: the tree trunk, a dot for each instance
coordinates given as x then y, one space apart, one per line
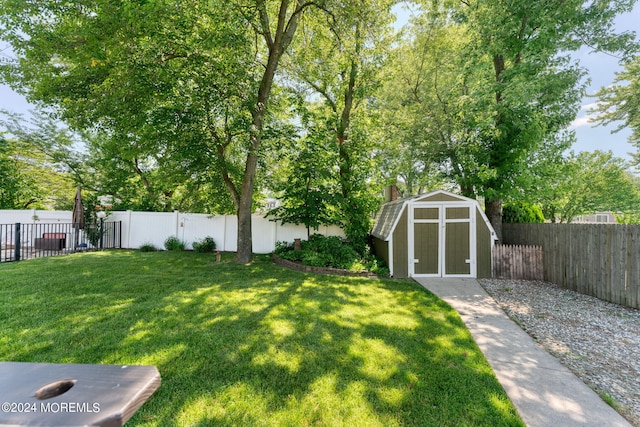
245 209
493 209
277 44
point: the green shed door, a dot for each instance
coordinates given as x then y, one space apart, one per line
442 240
426 240
426 248
457 241
457 249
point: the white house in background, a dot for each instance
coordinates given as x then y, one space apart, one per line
596 218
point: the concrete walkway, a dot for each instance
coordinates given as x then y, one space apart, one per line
544 392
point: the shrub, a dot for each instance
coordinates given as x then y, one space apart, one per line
282 247
206 245
323 251
174 244
148 247
521 213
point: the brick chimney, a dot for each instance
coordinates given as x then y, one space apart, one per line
390 193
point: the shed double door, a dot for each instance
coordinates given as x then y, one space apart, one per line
442 243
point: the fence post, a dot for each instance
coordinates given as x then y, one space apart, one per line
101 232
16 243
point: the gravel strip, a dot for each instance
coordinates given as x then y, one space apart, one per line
597 340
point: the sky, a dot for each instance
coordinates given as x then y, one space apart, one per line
602 68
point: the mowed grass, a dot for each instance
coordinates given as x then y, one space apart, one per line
253 345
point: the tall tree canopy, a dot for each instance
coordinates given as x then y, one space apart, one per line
186 80
192 105
495 82
593 182
529 83
335 68
39 163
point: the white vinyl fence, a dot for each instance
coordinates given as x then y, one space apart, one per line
139 228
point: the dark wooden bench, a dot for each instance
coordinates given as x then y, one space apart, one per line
42 394
51 241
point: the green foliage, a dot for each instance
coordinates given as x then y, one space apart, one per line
38 167
148 247
339 61
588 182
330 251
182 108
521 213
205 245
93 232
422 108
180 88
14 187
479 88
172 243
627 217
306 188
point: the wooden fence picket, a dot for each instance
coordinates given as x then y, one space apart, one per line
518 262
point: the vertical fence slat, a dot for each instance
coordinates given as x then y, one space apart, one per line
633 287
17 242
517 262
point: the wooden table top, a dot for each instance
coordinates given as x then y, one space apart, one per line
44 394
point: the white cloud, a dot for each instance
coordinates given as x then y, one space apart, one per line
588 107
581 121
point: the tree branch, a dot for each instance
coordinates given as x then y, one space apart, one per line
264 22
322 92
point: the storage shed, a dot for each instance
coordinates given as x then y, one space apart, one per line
437 234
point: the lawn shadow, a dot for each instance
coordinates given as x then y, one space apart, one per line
261 345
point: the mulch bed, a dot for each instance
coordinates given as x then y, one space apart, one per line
292 265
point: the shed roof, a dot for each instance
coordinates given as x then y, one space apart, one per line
390 212
387 217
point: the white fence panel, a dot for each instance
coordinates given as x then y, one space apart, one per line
194 227
231 233
289 232
152 227
33 216
139 228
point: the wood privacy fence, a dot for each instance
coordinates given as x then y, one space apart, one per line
518 262
602 260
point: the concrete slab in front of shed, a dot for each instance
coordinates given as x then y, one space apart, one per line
544 392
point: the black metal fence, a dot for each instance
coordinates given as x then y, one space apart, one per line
25 241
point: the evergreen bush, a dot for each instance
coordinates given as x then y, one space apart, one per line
205 245
148 247
332 252
174 244
521 213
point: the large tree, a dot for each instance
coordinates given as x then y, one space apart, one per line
335 66
532 87
186 79
428 142
590 182
507 87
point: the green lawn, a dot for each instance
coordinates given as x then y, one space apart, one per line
253 345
